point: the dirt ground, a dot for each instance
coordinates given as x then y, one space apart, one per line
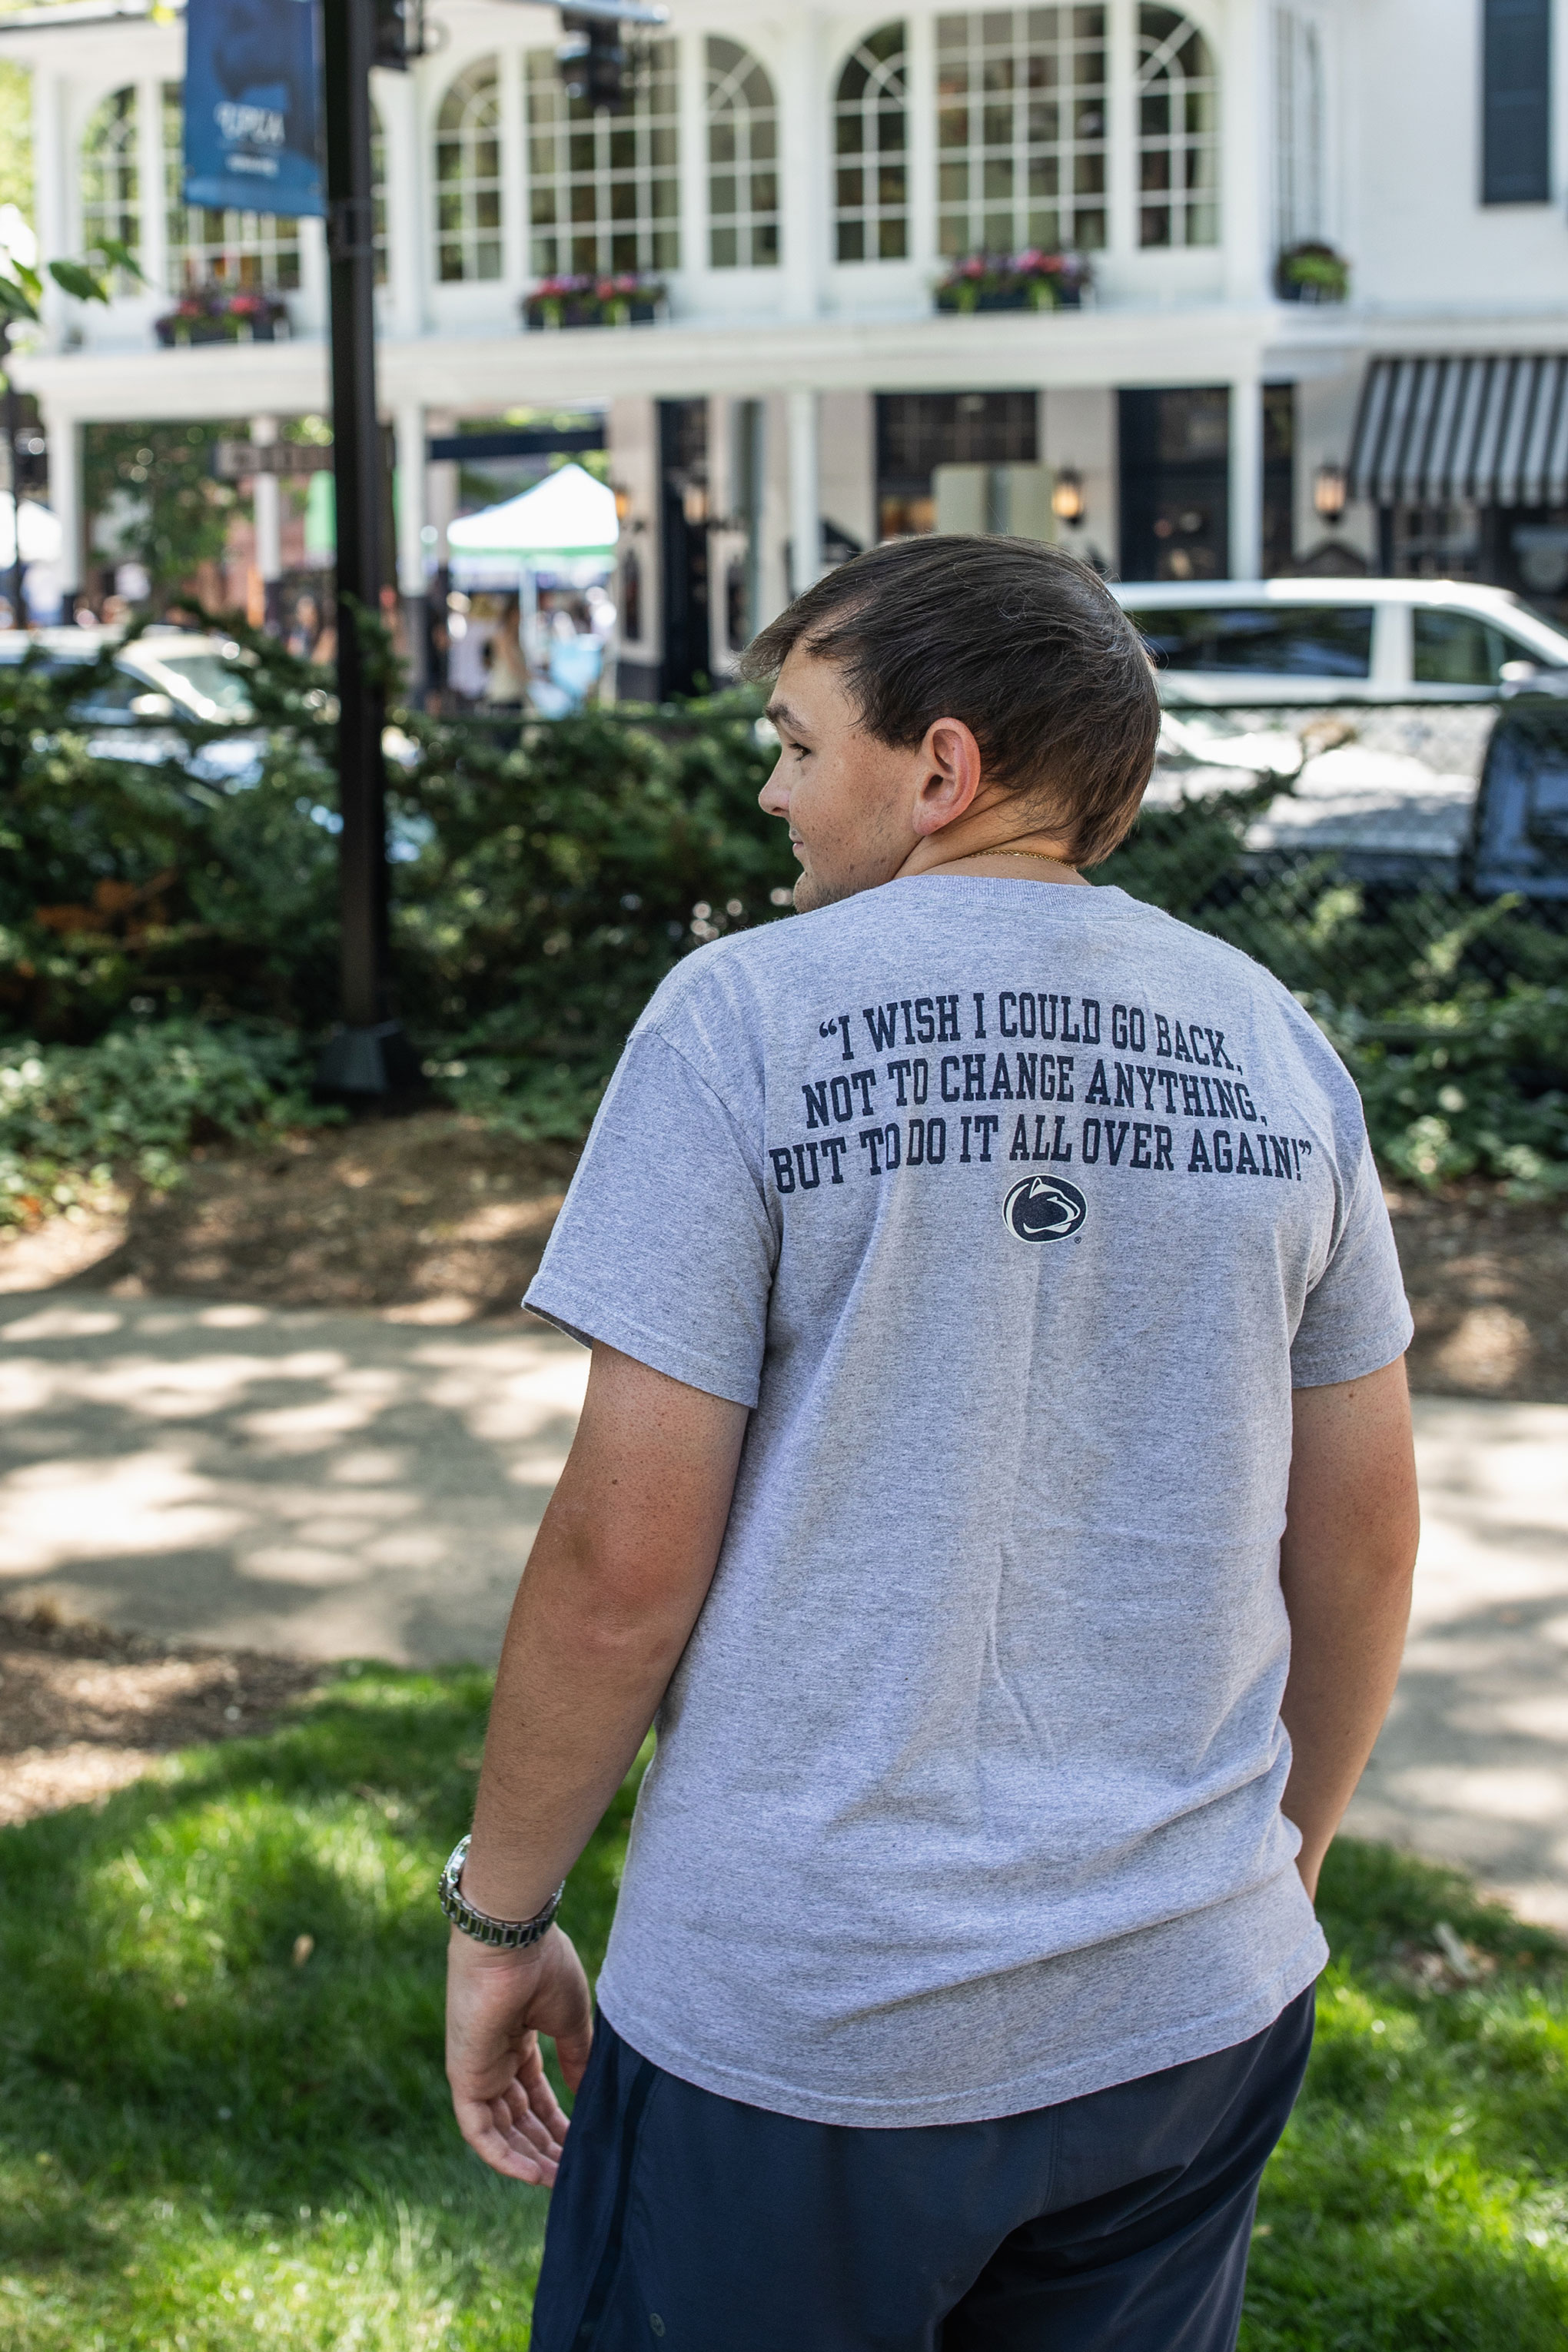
429 1219
84 1711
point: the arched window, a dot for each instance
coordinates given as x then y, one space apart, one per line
1178 132
237 248
110 179
467 176
605 189
870 163
1020 130
743 160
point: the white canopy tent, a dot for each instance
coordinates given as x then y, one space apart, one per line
559 534
41 538
567 518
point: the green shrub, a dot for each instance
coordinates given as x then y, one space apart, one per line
558 878
71 1117
547 876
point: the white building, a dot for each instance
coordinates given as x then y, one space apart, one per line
799 179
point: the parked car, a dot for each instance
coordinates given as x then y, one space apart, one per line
1520 839
1399 795
164 674
1307 641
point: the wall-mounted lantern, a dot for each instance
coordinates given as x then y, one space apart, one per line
1329 491
1068 503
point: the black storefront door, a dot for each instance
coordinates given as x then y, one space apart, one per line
1176 483
683 474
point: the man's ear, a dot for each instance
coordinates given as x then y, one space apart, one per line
950 759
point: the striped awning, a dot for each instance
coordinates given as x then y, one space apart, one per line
1433 432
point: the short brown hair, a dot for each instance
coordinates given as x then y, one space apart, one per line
1023 643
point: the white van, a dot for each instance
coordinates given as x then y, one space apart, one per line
1303 641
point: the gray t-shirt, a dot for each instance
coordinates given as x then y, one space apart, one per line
1013 1209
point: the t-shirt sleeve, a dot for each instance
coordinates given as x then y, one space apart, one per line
664 1248
1355 1318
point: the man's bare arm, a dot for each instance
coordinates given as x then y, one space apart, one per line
1352 1520
616 1576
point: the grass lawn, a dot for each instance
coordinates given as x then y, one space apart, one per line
206 2142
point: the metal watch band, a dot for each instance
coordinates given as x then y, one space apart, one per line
507 1935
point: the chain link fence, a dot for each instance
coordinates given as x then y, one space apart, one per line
1403 870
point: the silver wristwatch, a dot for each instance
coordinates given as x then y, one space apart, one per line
507 1935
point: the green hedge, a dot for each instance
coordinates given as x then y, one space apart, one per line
546 876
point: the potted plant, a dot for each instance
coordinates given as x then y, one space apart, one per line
1311 272
623 299
1030 280
216 313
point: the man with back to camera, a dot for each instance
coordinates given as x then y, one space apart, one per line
995 1474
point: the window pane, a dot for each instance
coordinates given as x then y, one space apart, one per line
610 176
1178 133
469 175
868 117
1454 649
1023 145
1282 641
743 131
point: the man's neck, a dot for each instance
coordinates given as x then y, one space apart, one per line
995 841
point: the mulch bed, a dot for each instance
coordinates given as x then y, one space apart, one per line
1488 1283
84 1711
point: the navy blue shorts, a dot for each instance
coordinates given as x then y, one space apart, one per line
1118 2222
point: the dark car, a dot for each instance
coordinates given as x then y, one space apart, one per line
1520 840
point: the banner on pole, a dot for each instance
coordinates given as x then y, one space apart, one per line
253 106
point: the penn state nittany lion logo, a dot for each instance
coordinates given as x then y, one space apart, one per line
1044 1209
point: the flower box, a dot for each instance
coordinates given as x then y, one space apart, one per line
1311 273
1020 282
222 314
625 301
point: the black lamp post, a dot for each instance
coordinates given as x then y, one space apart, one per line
369 1053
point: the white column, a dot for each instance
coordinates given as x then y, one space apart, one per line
397 102
804 104
54 194
1247 114
516 260
410 430
155 248
267 508
1246 478
1121 128
692 84
805 492
64 437
920 129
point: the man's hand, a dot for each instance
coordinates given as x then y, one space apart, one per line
498 2005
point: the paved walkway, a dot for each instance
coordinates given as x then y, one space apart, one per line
330 1485
337 1485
